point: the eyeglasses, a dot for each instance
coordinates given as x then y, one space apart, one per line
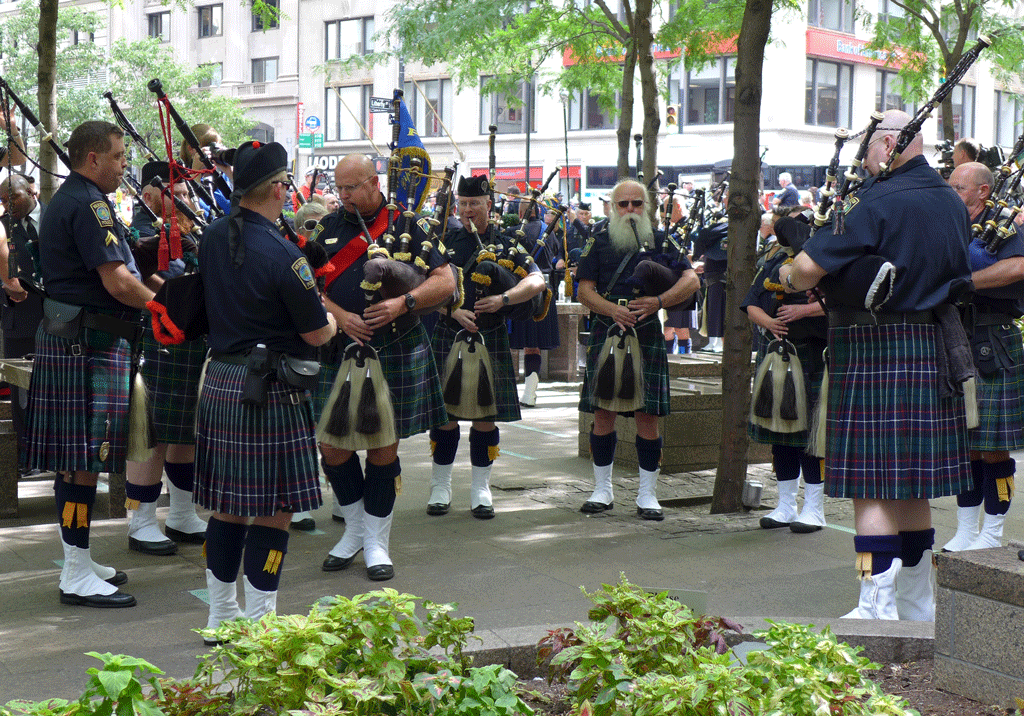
349 188
282 182
636 203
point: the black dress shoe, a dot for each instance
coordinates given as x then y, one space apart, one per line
767 523
647 514
483 512
380 572
160 548
117 580
437 508
338 518
185 537
594 508
802 528
336 564
307 524
103 601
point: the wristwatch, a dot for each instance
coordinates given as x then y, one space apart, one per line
789 282
505 300
410 301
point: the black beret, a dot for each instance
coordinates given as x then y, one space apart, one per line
474 186
791 232
584 206
155 170
256 162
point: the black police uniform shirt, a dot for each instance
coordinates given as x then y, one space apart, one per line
711 244
1002 299
533 231
21 319
463 247
80 232
768 301
917 222
270 299
336 230
600 260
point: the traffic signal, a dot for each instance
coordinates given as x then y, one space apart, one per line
672 115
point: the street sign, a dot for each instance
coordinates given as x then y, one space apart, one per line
311 141
312 123
380 104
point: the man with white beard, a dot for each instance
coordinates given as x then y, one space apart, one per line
608 260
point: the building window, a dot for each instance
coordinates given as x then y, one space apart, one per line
160 26
440 99
831 14
886 95
257 19
264 69
216 74
80 36
346 38
710 93
211 21
963 113
339 124
585 113
1009 118
829 94
508 111
888 10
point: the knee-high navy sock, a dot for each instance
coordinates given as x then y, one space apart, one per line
483 447
913 545
648 453
531 363
225 542
602 448
882 548
974 496
786 461
181 474
265 548
74 511
379 488
999 485
136 495
811 468
444 444
346 480
670 345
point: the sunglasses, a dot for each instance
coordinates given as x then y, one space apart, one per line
636 203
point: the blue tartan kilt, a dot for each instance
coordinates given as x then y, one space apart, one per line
655 362
1001 400
172 375
253 461
506 393
409 369
77 416
889 434
536 334
812 364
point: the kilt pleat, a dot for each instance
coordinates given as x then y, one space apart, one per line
541 334
171 374
1001 400
655 362
496 340
253 461
890 435
812 364
78 405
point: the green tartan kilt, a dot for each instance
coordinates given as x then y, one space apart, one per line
77 416
655 362
1001 400
409 369
172 375
890 435
813 364
506 394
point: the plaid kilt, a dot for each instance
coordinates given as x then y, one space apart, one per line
408 366
78 405
506 393
813 364
889 435
655 362
172 379
253 461
536 334
1001 400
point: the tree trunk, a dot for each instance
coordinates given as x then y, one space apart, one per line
744 219
47 94
624 133
648 88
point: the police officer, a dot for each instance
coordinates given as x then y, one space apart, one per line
891 462
603 289
78 400
255 443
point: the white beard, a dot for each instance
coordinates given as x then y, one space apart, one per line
621 233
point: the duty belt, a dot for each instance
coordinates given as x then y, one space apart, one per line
842 318
992 318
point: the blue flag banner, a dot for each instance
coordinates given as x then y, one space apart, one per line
411 190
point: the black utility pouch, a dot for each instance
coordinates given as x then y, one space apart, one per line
257 377
298 373
984 352
62 320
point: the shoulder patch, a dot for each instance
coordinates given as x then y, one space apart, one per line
586 249
304 272
316 231
102 213
424 225
111 239
849 204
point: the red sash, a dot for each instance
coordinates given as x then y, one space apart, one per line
355 248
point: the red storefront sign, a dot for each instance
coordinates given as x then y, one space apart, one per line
574 172
838 46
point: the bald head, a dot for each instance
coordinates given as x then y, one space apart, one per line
973 182
357 183
16 194
883 141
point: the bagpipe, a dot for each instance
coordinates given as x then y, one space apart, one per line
996 224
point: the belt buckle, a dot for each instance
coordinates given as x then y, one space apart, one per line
296 398
76 349
623 302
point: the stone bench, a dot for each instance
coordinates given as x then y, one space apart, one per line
979 624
